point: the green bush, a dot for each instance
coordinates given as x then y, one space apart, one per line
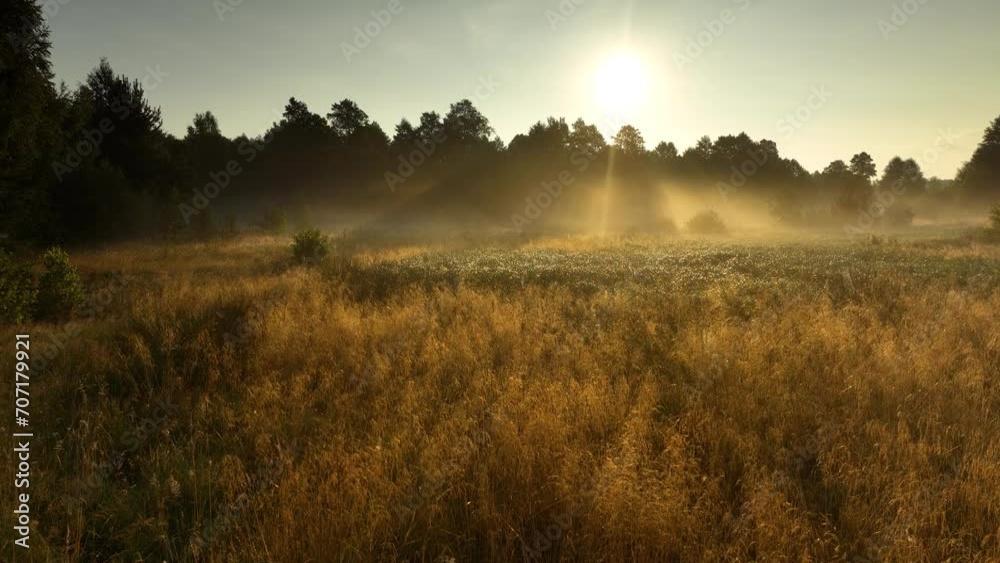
707 223
310 247
995 217
17 291
60 291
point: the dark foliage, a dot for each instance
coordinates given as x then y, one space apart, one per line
93 164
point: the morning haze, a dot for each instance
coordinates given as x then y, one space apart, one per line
558 281
942 55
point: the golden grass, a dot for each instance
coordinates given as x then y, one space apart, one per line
470 423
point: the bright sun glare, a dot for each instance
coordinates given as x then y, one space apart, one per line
621 83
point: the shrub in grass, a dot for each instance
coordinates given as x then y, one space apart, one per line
17 290
310 247
706 223
60 291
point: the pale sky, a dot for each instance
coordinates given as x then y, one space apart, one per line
890 91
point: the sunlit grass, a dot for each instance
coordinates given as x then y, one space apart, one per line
563 399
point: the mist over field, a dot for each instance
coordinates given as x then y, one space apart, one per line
592 281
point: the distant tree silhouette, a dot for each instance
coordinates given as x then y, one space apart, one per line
298 120
136 145
863 166
903 176
405 136
703 148
204 125
979 178
729 150
666 153
854 192
466 126
629 141
130 178
205 149
431 128
586 139
347 119
837 170
549 139
119 99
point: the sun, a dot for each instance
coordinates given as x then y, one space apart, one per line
621 83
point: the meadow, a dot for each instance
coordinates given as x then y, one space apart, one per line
759 398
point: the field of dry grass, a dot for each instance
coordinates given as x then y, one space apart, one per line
557 400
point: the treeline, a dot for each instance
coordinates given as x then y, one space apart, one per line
93 164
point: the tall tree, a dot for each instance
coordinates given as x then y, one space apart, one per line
853 192
204 125
979 178
629 141
136 136
29 113
205 148
863 166
544 138
666 153
298 118
466 125
405 137
431 127
903 176
836 170
347 119
586 139
703 148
